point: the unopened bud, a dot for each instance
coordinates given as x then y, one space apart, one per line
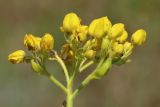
16 57
118 48
127 47
70 22
139 37
32 42
123 37
82 33
99 27
90 54
47 42
116 30
38 68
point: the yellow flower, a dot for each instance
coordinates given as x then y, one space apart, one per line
90 54
118 48
123 37
116 30
99 27
139 37
16 57
71 22
82 33
47 42
32 42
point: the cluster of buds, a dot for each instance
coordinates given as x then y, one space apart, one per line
97 42
40 49
101 43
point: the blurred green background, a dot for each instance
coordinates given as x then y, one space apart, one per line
136 84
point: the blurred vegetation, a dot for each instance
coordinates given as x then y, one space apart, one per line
135 84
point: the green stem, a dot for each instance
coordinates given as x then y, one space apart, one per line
82 62
63 66
84 84
57 83
86 66
94 75
69 93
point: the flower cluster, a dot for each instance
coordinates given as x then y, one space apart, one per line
97 42
39 47
101 43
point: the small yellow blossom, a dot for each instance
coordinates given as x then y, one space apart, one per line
139 37
123 37
99 27
16 57
71 22
82 33
32 42
118 48
90 54
47 42
116 30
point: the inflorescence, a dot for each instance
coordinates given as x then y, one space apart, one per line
101 43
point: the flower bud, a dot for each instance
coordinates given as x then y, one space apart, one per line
71 22
118 48
82 33
37 68
16 57
123 37
95 43
90 54
105 43
99 27
47 42
87 44
116 30
139 37
127 47
32 42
